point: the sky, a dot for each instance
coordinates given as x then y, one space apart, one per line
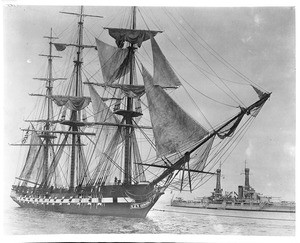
258 41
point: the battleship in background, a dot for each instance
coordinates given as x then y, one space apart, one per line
247 199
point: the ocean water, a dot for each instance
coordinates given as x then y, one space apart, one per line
162 219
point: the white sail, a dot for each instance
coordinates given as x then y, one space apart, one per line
102 113
104 165
112 60
173 128
163 75
32 170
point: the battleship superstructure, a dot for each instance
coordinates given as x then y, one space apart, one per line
247 199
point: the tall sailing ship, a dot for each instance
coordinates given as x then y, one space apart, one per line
115 150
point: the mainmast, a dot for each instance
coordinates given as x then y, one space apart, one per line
75 120
75 116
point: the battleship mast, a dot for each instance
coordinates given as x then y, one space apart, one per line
218 190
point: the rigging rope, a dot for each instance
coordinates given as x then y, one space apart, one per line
199 68
226 63
239 135
168 14
208 96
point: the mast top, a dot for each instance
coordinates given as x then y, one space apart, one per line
82 15
134 18
51 37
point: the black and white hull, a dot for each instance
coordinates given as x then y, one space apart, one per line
114 202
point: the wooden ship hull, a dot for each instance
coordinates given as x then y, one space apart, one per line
114 202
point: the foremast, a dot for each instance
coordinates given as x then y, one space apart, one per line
128 113
128 117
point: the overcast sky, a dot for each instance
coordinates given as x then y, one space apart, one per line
259 42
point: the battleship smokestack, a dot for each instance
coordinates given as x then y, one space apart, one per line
247 184
218 184
240 192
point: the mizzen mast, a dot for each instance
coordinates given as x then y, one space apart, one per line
46 134
49 87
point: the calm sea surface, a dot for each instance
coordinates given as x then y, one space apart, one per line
163 219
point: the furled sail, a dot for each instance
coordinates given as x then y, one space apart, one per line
60 47
128 90
130 35
114 61
34 160
173 128
71 102
229 130
163 75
